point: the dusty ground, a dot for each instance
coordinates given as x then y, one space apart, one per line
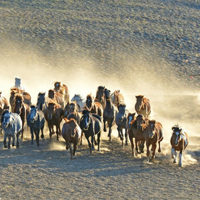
144 47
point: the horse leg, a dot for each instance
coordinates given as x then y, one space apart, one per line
173 153
98 140
5 137
37 137
81 140
13 142
154 151
42 135
75 143
148 152
92 141
180 158
136 147
126 139
70 146
110 129
9 137
32 136
132 145
159 148
50 132
89 144
104 125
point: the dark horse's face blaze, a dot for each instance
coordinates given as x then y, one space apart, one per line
151 128
33 114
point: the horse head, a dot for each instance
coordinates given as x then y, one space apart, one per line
51 94
33 114
41 100
50 110
73 107
151 128
100 93
107 93
139 121
86 120
122 112
6 119
139 102
57 86
176 135
18 103
89 101
130 119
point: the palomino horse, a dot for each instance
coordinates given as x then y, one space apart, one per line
91 126
12 126
35 121
117 98
93 107
21 108
62 89
53 115
143 106
4 105
71 132
26 96
153 134
109 113
57 97
121 122
135 131
100 96
179 141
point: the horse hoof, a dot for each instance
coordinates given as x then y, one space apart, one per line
92 148
126 144
174 161
42 136
104 130
159 150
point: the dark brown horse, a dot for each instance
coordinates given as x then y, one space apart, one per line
41 104
57 97
93 106
109 113
4 105
100 96
135 131
62 89
53 115
179 141
71 132
117 98
143 106
21 108
153 134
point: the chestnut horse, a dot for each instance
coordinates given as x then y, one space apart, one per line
62 89
100 96
53 115
4 105
26 96
143 106
153 134
109 113
57 97
117 98
71 132
179 141
21 108
93 106
135 131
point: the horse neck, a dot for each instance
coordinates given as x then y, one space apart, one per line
108 103
138 105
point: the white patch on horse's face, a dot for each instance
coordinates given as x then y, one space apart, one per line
177 134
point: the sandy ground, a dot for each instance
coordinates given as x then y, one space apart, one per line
48 173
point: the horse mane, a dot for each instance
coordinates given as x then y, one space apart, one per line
41 93
85 111
69 120
55 103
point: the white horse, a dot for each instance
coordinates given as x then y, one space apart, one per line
12 126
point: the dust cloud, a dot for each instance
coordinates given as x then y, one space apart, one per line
145 73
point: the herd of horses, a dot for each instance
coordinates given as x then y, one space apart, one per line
86 118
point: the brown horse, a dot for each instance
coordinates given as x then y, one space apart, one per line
135 131
92 106
109 113
26 96
57 97
153 134
100 96
71 132
117 98
143 106
53 115
62 89
21 108
179 141
4 105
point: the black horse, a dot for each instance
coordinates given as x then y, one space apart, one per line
35 121
91 126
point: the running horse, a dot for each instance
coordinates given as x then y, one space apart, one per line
62 89
109 113
143 106
4 105
179 141
93 106
53 115
21 108
57 97
117 98
135 131
153 135
100 96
